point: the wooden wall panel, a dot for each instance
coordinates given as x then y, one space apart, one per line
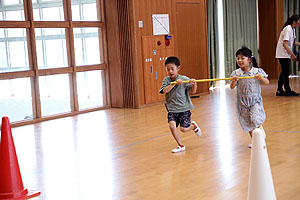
136 98
113 51
122 53
143 10
126 54
191 45
270 17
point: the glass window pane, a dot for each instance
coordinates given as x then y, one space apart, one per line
48 10
11 32
87 48
15 99
17 55
11 10
75 12
15 15
13 48
55 94
84 10
90 86
51 48
89 12
10 2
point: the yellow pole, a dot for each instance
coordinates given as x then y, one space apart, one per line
214 79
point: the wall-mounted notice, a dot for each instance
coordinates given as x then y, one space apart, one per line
160 24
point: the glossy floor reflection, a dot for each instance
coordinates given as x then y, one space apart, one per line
125 154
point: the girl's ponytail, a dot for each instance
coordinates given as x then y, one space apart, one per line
254 62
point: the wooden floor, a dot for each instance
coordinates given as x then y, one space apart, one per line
125 154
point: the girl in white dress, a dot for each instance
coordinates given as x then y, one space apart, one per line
250 110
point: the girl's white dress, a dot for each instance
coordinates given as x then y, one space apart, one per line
250 110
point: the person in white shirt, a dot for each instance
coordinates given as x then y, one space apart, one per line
284 53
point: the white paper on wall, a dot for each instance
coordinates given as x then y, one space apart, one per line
160 24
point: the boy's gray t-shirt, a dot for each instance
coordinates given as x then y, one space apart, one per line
178 99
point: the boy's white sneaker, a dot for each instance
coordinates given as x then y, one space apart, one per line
250 146
178 149
197 129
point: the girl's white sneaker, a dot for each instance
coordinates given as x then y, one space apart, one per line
178 149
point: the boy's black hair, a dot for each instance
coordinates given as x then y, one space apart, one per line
290 20
245 51
173 60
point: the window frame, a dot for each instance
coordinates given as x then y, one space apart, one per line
34 72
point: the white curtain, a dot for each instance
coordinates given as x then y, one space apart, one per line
212 32
240 28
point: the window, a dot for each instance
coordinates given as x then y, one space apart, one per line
51 47
11 10
13 50
48 10
90 89
15 99
86 42
84 10
55 94
51 65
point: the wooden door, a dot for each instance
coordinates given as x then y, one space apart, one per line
148 65
159 66
155 51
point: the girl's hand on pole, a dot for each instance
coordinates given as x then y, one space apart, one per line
233 82
258 77
235 78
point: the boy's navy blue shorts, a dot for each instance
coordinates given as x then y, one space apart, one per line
182 118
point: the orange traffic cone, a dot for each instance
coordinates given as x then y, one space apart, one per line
11 184
261 185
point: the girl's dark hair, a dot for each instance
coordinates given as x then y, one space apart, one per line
245 51
290 20
173 60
